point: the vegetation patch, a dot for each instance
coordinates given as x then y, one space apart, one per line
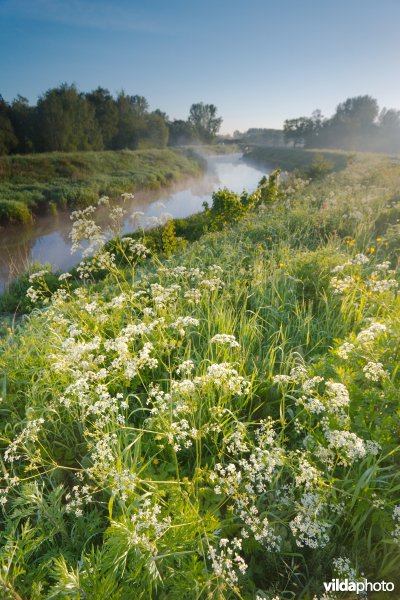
220 422
39 183
307 163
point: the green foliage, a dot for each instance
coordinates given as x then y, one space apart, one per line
14 211
203 118
66 122
170 242
228 208
8 139
291 159
38 183
320 167
356 125
189 429
14 298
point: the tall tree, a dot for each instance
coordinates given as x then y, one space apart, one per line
389 130
203 118
156 135
132 112
181 133
23 119
8 139
360 111
67 121
106 113
298 131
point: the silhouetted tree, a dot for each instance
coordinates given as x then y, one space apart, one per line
203 118
106 113
66 121
181 133
23 119
8 139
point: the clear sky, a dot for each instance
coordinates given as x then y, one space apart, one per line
258 61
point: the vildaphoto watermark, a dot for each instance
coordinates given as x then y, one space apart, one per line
360 587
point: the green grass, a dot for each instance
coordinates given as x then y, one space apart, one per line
251 470
290 159
39 183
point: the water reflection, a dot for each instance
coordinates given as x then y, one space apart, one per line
47 240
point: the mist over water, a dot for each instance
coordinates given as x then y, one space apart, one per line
47 240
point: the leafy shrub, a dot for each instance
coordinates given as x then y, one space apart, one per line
12 211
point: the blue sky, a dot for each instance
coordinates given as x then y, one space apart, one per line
258 61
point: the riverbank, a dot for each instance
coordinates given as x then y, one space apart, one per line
187 419
47 239
308 163
38 184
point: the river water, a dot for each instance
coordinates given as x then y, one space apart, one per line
47 239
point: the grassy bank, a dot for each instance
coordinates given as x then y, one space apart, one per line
40 183
220 424
307 162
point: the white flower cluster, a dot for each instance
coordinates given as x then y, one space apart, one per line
245 481
64 276
371 333
144 359
29 434
193 296
146 527
181 435
235 442
213 284
379 286
123 482
385 266
164 296
103 455
342 285
337 396
396 519
296 375
344 350
182 322
334 399
38 275
344 569
223 376
86 230
225 339
349 446
79 496
307 529
138 249
257 525
185 368
307 475
226 561
374 371
360 259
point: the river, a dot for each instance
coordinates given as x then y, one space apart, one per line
47 239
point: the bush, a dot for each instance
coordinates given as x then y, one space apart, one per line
12 211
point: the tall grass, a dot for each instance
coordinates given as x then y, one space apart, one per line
40 183
219 424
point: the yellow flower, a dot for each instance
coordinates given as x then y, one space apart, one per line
155 461
372 249
379 239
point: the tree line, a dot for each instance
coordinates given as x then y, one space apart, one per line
261 137
66 120
357 124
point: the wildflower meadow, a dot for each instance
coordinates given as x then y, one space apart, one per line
218 419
